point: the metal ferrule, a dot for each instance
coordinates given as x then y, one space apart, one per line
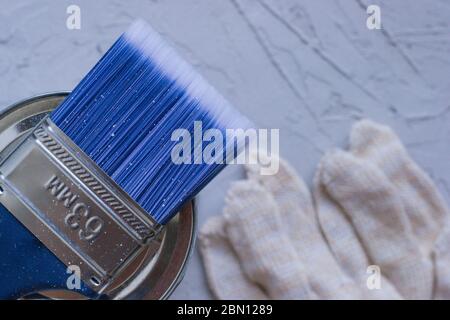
73 207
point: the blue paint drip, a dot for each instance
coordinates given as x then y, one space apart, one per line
26 265
123 113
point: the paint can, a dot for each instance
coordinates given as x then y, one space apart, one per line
150 275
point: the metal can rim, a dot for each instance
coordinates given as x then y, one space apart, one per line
176 275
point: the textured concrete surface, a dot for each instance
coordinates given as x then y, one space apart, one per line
308 67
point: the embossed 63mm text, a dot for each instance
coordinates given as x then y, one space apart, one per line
78 216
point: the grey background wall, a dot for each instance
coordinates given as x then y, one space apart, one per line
308 67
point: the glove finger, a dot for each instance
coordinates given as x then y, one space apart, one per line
377 213
294 203
442 259
224 275
345 244
286 187
267 256
422 202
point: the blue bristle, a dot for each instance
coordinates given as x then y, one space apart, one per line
123 113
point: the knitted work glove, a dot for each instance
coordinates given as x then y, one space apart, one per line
268 244
374 206
424 207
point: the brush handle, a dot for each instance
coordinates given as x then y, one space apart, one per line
26 265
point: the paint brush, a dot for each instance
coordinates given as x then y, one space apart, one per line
98 179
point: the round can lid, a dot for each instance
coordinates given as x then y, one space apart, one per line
150 275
